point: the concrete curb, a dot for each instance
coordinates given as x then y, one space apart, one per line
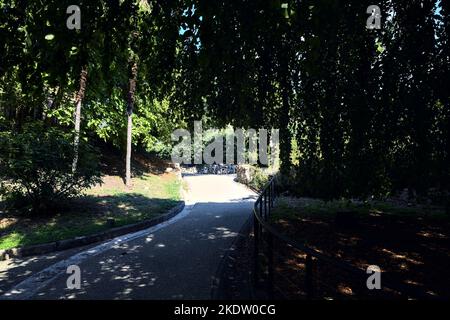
85 240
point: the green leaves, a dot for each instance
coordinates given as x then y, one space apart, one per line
362 105
37 163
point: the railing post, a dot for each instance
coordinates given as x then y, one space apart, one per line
309 276
261 213
270 265
256 249
265 204
273 193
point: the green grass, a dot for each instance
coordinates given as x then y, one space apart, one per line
151 196
292 208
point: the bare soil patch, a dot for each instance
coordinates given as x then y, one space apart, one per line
410 245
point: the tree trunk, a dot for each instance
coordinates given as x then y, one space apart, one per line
285 135
79 99
128 158
130 106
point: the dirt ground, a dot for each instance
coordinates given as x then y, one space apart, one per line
411 250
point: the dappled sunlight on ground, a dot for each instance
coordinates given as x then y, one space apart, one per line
409 249
178 259
151 195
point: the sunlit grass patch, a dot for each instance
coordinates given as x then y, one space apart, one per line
150 196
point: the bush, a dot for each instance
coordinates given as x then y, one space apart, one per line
36 167
253 176
259 178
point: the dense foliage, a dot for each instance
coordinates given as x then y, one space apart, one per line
361 112
36 167
366 111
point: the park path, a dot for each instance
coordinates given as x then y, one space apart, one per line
179 259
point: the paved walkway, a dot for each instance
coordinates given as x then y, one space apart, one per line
176 260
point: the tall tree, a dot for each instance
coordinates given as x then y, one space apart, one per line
130 106
78 101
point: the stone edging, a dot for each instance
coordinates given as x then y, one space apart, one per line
85 240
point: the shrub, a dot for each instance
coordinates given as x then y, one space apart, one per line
259 178
253 176
36 167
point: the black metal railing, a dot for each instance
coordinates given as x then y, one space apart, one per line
265 234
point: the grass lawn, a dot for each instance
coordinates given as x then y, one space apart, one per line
151 195
411 245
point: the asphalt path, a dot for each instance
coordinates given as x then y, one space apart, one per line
179 259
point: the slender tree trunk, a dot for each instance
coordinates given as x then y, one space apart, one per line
128 157
285 135
130 106
79 99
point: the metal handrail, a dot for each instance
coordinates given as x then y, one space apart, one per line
261 211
